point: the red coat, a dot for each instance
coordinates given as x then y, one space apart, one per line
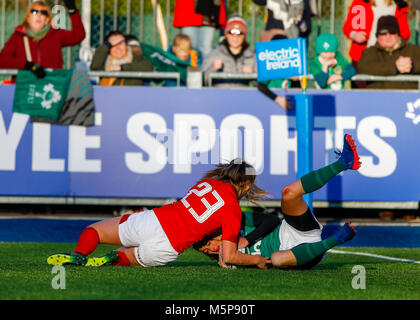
354 23
47 52
184 15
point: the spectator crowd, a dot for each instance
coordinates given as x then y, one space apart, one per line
212 41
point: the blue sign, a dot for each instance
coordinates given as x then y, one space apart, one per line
158 142
280 59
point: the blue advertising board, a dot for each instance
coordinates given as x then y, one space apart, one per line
157 142
280 59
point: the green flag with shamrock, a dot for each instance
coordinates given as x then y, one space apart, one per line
41 97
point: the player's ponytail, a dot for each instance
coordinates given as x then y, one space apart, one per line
240 174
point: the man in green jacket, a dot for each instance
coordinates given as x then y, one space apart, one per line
116 55
391 55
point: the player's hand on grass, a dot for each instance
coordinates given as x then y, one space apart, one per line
262 264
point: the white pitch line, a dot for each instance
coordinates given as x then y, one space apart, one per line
373 255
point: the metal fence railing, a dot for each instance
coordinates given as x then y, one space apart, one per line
140 75
221 75
117 74
359 77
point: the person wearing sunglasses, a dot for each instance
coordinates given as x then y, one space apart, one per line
391 55
361 23
44 42
232 55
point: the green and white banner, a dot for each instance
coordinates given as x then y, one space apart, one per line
41 97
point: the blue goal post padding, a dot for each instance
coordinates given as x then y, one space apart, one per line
304 127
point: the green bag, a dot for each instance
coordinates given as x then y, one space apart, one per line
78 108
41 97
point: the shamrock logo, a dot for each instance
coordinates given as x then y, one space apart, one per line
49 96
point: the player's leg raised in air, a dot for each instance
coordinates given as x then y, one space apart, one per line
300 233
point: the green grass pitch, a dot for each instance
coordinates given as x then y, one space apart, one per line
25 275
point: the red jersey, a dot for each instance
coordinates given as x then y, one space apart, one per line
208 206
185 15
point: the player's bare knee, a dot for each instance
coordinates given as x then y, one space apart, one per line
107 231
288 193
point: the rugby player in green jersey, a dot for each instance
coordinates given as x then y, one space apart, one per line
294 241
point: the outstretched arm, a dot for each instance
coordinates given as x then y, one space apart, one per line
229 254
282 101
77 34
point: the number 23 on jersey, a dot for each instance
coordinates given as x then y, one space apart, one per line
203 191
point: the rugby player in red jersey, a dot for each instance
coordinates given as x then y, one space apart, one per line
157 237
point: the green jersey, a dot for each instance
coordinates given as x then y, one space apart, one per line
265 246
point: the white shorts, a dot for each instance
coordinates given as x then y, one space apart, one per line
291 237
143 231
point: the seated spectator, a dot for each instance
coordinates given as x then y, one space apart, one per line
361 21
199 19
391 55
165 61
232 55
44 42
181 48
116 55
329 68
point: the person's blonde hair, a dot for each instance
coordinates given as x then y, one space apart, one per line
179 38
239 174
33 5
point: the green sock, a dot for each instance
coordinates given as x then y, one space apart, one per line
317 179
308 251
